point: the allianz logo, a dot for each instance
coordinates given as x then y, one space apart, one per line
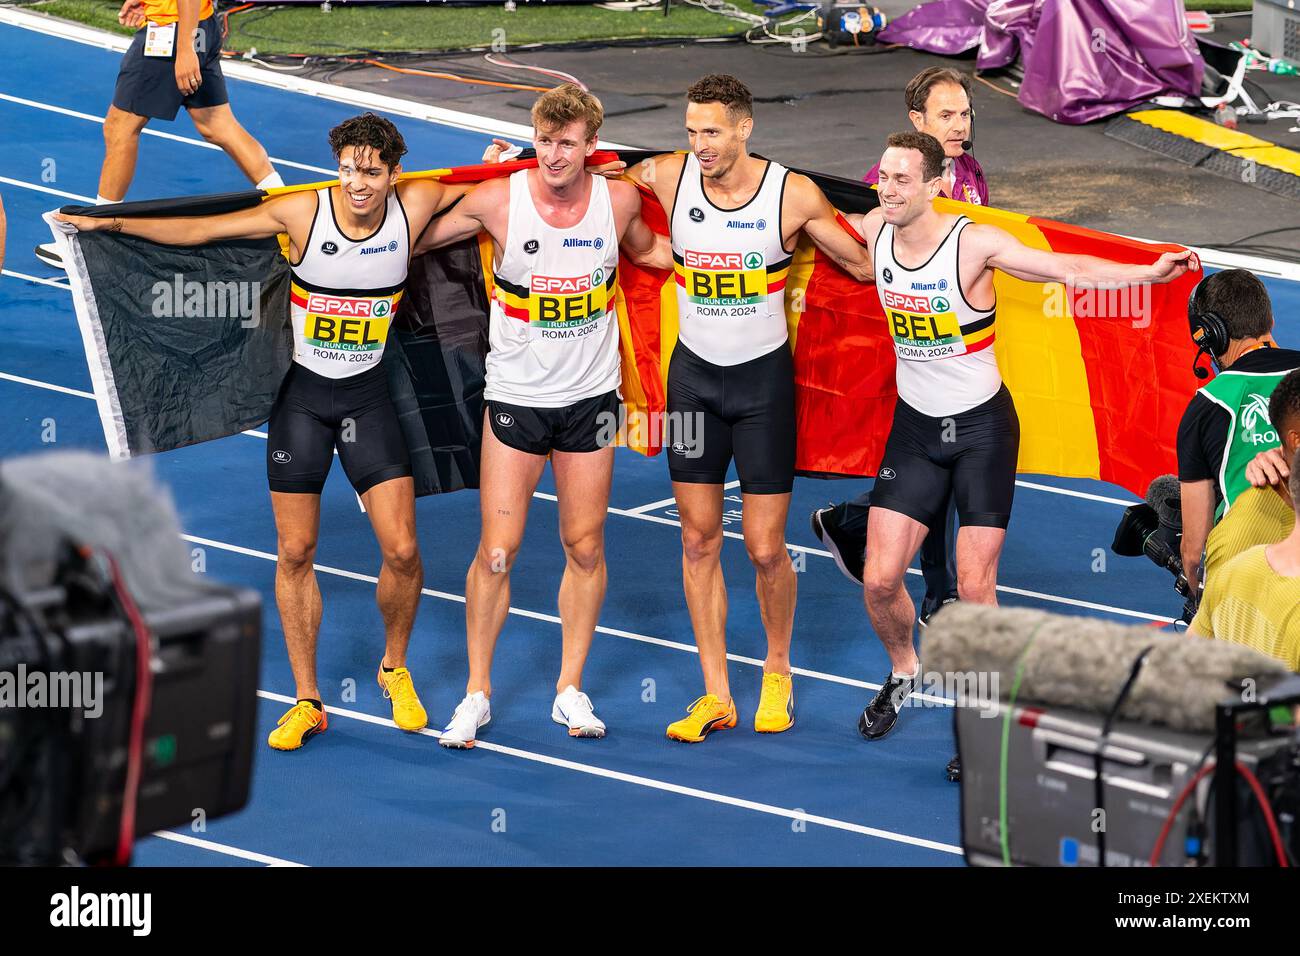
746 223
369 250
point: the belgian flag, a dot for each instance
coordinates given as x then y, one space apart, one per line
1100 378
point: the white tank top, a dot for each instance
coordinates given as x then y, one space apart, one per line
344 291
946 363
553 329
731 269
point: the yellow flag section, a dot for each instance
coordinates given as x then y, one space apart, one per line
1041 359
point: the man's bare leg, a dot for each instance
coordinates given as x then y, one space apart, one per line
391 508
892 542
700 508
121 144
978 552
509 477
297 522
217 124
582 482
763 524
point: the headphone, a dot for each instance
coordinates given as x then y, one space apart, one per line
968 144
1209 333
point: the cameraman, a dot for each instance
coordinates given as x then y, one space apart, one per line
1262 514
1226 422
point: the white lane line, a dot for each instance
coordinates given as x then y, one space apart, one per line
656 519
651 783
235 69
1074 494
665 502
223 848
161 134
9 274
53 388
89 200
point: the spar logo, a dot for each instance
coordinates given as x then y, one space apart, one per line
560 285
912 303
334 305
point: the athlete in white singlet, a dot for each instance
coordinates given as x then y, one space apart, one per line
955 427
735 221
349 248
552 384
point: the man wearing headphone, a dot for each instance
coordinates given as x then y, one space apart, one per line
939 103
1227 421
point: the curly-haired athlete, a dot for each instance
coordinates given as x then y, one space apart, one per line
349 246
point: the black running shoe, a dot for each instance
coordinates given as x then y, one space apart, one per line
953 770
849 555
48 253
924 619
882 713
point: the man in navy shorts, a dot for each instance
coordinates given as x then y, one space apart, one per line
174 60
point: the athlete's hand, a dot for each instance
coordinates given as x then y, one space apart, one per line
188 77
494 153
1268 468
1170 266
71 224
132 14
612 170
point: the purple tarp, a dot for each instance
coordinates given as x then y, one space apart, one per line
1083 59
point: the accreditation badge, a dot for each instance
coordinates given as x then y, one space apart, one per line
160 39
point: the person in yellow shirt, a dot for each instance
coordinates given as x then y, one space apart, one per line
174 60
1254 599
1264 513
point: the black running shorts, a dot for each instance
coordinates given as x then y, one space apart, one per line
146 85
745 411
587 425
972 454
313 415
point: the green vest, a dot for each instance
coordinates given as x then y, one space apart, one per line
1244 396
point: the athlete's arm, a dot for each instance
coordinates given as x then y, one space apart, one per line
659 174
807 208
270 217
1198 519
1001 250
642 244
425 198
468 217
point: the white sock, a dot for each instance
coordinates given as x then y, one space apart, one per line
271 181
101 201
912 676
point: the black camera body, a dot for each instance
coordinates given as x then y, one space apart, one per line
1154 528
128 683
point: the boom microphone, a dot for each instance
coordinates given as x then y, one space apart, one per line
967 145
1164 494
1081 663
